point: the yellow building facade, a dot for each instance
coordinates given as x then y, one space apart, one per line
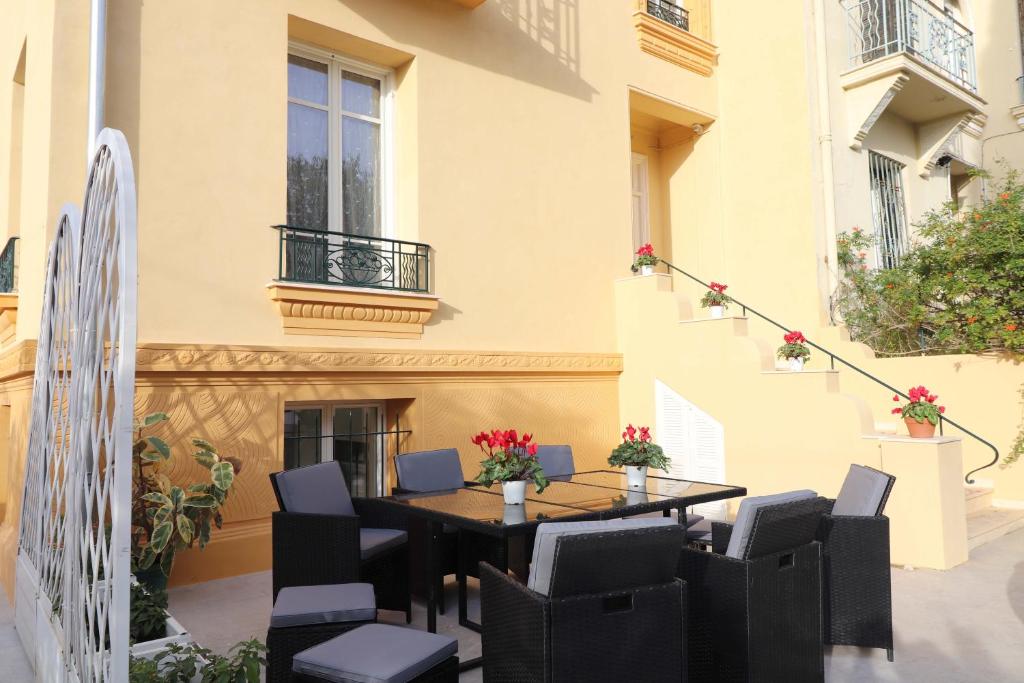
494 163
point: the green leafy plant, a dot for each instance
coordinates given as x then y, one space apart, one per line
716 296
794 347
921 406
959 288
167 518
148 617
638 450
183 663
510 457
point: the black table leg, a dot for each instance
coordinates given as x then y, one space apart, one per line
433 541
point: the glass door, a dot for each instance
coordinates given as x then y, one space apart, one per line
351 433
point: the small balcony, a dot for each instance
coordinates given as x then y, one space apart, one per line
669 12
341 284
879 28
337 258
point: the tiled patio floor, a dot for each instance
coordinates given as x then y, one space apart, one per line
959 626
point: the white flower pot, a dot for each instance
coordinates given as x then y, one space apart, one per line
646 270
636 477
514 492
638 497
514 514
796 364
717 311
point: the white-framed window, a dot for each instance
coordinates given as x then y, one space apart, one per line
888 206
348 432
339 143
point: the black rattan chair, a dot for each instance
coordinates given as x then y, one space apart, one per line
856 576
609 609
422 472
321 535
755 600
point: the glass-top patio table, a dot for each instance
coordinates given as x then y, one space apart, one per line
599 494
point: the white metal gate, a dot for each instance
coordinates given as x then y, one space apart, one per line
73 569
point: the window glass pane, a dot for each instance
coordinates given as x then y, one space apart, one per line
307 80
307 167
360 94
356 447
360 177
302 437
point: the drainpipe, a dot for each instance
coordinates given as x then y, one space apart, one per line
97 71
828 189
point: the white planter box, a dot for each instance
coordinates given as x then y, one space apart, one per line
176 633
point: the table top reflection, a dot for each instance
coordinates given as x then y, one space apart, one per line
599 494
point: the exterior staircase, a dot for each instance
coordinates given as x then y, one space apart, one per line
985 521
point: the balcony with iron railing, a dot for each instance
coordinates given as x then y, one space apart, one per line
917 28
669 12
352 285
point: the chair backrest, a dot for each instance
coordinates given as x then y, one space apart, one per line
864 493
439 470
556 460
318 489
741 529
605 565
785 526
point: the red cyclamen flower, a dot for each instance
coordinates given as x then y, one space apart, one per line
795 337
897 411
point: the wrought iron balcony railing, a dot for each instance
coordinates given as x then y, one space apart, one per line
337 258
879 28
669 12
7 263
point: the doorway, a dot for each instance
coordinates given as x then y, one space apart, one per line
641 201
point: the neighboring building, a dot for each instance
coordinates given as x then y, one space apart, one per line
463 183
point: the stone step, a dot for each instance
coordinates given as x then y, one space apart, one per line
977 498
992 523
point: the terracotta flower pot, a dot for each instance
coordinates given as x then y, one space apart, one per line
919 430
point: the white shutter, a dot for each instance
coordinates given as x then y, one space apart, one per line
694 441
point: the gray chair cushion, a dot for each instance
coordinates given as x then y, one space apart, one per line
693 519
556 460
863 492
373 542
549 533
375 653
318 489
328 604
439 470
748 510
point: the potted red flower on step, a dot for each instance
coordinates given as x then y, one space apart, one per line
920 414
645 260
716 300
795 350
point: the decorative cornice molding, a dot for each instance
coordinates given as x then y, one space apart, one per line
673 44
195 358
350 312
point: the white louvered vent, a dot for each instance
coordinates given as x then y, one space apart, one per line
694 441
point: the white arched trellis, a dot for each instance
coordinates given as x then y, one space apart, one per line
73 568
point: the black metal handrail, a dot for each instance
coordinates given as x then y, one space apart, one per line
336 258
835 358
670 13
7 283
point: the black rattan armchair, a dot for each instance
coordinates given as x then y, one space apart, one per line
755 612
323 536
856 576
613 611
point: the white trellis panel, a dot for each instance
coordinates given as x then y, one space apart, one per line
74 553
694 440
